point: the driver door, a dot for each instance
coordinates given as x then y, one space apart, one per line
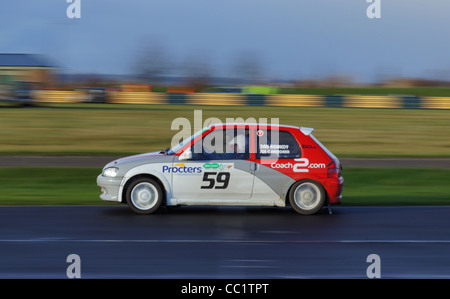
218 169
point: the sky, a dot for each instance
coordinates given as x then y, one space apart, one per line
291 39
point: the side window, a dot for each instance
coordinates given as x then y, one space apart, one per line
223 144
276 144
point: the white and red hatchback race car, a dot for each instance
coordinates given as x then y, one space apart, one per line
230 164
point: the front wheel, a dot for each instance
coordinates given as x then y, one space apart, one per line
144 196
307 197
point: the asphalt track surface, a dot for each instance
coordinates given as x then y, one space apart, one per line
210 242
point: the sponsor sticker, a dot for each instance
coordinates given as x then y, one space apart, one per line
219 166
211 165
181 168
227 166
302 165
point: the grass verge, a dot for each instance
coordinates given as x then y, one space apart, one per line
121 129
363 186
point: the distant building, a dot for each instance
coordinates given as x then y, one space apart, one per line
26 67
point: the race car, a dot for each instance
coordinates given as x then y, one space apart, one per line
237 164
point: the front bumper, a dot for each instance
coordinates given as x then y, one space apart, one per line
110 188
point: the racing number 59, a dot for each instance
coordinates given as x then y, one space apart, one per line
222 178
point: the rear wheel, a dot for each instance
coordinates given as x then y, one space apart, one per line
144 196
307 197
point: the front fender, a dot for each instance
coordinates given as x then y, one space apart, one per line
155 170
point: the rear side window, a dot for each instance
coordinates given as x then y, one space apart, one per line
277 144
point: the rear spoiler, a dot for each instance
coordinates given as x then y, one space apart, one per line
306 131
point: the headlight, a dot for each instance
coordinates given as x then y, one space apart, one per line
110 172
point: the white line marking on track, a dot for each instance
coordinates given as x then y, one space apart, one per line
43 240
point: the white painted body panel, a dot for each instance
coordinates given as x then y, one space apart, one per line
185 188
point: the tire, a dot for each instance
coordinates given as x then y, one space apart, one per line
307 197
144 196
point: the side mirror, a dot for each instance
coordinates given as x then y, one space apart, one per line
186 155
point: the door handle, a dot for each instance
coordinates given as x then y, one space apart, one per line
253 166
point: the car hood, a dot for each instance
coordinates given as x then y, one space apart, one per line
141 159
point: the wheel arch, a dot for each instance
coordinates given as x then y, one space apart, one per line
131 179
288 190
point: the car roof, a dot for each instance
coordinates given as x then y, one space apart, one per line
305 130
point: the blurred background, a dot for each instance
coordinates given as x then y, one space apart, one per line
180 46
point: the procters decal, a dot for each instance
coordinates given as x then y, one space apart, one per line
181 168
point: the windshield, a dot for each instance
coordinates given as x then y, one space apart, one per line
180 145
